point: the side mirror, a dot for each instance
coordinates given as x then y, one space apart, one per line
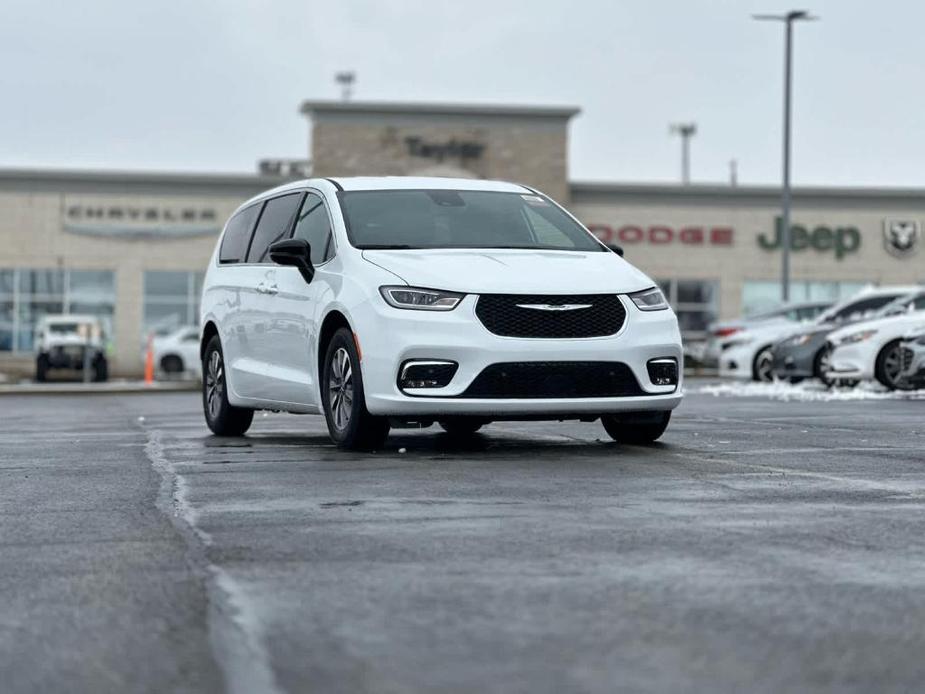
295 253
616 249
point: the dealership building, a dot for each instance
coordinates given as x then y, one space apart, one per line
131 247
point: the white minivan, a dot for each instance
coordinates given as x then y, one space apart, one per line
398 301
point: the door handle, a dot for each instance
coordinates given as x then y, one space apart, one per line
272 289
262 288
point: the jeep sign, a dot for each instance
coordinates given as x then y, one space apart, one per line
840 240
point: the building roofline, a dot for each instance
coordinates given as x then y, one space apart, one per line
704 191
137 177
310 106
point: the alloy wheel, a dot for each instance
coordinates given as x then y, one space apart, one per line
764 366
215 384
893 368
340 389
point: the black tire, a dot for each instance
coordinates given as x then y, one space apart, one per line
763 365
41 368
888 367
171 364
223 418
463 426
100 369
343 399
820 364
636 427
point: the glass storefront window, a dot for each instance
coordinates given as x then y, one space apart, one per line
27 294
764 295
696 302
171 300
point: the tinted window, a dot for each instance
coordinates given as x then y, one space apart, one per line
274 225
237 235
460 219
860 308
314 226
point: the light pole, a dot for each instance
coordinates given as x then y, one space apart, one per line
346 80
686 131
788 20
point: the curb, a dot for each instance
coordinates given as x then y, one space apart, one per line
115 388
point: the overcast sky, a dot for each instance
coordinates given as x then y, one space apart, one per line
215 85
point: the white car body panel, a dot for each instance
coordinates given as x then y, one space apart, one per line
270 340
858 360
738 361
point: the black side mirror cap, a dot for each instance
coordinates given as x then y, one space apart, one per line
295 253
616 249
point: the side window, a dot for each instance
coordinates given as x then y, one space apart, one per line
237 235
274 225
314 226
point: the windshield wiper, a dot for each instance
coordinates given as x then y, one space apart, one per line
385 247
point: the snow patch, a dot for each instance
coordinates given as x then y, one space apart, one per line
806 392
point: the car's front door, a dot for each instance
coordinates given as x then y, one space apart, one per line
295 306
267 382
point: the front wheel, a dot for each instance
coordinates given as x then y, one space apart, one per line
763 366
888 368
636 427
350 424
223 418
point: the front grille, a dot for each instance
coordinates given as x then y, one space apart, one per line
906 356
502 315
555 379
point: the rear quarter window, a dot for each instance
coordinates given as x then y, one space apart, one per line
238 235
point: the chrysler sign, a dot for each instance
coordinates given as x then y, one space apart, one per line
139 221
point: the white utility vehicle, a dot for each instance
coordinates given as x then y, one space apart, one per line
70 343
406 301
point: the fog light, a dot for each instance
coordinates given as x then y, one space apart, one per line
426 374
663 372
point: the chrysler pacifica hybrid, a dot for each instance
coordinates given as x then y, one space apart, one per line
394 301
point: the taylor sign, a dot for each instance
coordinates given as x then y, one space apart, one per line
656 234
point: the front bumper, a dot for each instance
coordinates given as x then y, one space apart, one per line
855 361
389 337
797 361
737 361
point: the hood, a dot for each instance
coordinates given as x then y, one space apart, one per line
894 325
767 334
506 271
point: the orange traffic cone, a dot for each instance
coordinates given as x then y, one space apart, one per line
149 361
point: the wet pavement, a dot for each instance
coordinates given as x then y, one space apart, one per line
762 546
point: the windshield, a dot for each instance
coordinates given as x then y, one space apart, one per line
405 219
63 328
916 301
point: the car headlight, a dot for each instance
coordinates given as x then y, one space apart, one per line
738 342
798 340
649 300
859 336
420 299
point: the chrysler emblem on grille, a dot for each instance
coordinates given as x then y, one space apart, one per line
555 307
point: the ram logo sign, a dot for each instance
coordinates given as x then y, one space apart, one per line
901 236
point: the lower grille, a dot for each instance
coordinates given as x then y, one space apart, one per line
555 379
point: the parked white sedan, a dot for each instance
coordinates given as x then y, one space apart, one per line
177 353
872 350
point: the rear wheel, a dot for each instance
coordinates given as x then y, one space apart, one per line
350 424
888 368
100 369
763 366
636 427
172 364
41 368
223 418
462 426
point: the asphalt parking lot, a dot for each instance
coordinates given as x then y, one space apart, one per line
762 546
